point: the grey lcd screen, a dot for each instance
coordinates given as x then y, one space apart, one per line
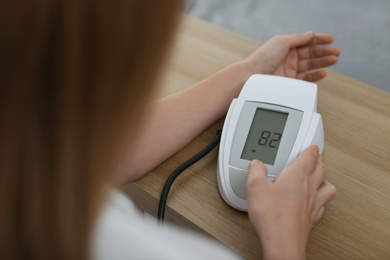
264 136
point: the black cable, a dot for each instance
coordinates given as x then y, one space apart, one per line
180 169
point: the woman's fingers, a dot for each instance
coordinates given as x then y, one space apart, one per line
326 193
308 38
309 52
316 63
315 57
318 175
317 216
321 38
257 174
312 70
304 165
312 76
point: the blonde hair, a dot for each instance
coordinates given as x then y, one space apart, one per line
72 73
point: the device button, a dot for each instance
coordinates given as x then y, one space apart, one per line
238 182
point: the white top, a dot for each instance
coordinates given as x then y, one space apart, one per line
123 232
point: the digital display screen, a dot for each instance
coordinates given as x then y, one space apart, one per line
264 136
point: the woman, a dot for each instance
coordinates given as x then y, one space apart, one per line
76 76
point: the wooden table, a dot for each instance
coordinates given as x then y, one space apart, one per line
356 225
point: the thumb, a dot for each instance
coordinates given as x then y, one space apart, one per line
257 174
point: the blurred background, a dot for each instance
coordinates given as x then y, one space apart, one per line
361 28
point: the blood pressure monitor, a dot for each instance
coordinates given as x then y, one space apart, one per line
274 119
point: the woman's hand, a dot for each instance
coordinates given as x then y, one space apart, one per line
284 211
300 56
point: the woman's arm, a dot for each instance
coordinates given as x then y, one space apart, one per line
172 122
